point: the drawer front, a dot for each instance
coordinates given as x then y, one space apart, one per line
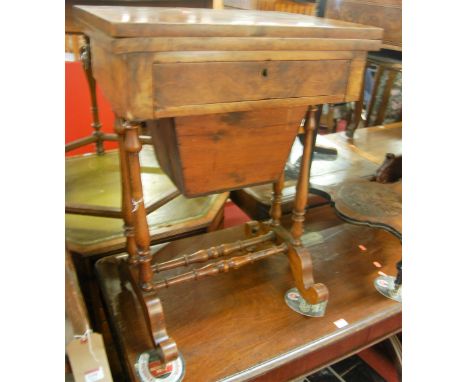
200 83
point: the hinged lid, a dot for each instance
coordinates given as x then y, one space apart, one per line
118 21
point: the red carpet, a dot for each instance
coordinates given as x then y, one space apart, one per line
233 215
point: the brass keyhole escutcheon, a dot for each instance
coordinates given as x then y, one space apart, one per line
265 72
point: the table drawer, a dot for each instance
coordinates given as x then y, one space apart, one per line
200 83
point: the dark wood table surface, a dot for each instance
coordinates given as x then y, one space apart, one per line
237 327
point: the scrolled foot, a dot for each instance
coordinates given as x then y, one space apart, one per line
300 262
316 294
299 304
164 345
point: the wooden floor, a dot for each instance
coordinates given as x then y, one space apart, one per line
237 327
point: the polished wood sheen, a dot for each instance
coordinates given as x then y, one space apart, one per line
238 327
151 22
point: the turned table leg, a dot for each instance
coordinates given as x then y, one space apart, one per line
358 106
302 186
96 124
138 240
300 258
129 230
132 148
277 196
375 88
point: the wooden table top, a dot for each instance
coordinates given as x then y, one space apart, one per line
72 27
118 21
237 327
95 180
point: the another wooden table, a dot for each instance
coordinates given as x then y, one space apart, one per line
238 327
95 180
357 158
385 14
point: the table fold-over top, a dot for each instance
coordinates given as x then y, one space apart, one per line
124 21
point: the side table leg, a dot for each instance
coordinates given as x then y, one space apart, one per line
358 106
300 258
151 304
302 186
132 147
96 124
129 230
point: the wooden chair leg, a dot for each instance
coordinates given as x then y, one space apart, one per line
300 259
352 127
358 106
96 124
375 87
386 97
